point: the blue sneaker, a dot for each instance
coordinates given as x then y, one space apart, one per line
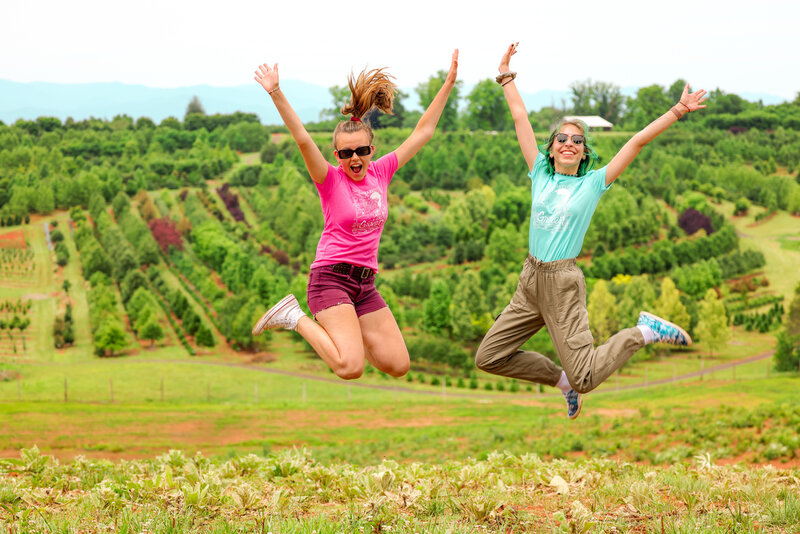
574 402
664 331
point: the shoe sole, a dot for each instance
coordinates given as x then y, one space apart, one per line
681 330
261 324
580 405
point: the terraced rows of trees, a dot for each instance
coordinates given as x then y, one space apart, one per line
180 240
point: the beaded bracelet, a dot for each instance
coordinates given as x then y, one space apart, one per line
503 75
273 90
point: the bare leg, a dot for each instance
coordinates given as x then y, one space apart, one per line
383 342
337 339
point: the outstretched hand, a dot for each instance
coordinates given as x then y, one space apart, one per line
267 77
693 101
451 74
504 61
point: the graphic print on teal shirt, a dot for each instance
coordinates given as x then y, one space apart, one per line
561 210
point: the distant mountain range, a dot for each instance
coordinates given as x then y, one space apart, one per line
105 100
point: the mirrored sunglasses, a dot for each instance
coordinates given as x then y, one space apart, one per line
576 138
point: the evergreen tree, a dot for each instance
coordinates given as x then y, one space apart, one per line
466 305
436 315
195 107
204 337
787 353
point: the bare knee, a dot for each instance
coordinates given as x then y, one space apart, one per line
395 364
349 371
398 369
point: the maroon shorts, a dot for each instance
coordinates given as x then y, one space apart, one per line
327 287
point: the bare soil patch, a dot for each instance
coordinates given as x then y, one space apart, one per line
143 434
263 357
14 239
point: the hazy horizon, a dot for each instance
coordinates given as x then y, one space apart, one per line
726 45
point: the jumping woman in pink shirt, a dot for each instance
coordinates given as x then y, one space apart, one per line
353 323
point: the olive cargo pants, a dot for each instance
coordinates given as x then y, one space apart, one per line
553 294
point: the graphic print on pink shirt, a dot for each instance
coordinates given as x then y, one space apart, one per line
369 211
355 213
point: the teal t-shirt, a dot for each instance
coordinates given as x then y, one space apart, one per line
561 210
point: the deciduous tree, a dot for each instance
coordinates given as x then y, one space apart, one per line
428 90
712 328
669 306
602 308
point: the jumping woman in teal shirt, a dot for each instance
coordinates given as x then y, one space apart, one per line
565 190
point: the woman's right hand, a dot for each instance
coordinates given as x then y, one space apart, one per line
512 49
267 77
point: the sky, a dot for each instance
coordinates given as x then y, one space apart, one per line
733 45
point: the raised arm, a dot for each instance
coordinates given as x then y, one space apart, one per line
525 136
315 162
688 102
427 123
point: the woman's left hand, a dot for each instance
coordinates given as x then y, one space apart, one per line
451 74
693 101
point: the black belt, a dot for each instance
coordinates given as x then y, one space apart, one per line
353 271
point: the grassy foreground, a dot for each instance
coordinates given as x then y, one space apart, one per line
716 456
292 493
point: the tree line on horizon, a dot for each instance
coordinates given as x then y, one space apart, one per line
464 200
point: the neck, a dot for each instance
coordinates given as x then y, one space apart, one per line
567 171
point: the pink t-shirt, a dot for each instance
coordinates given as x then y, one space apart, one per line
355 213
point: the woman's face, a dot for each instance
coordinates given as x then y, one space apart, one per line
355 166
568 155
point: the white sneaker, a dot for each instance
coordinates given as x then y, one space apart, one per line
284 314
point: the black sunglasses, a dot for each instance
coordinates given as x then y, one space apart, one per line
347 153
576 138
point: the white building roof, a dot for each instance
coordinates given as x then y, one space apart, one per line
592 121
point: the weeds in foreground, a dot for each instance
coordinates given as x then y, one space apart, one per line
290 492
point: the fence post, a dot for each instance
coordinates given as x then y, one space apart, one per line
65 389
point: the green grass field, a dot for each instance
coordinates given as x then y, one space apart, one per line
276 443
